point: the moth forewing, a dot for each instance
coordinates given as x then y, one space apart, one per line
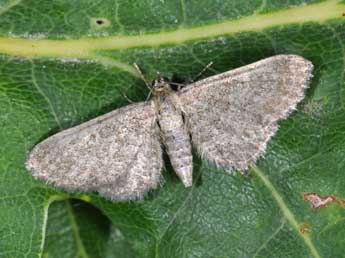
117 154
233 115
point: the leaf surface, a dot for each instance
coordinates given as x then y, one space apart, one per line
65 62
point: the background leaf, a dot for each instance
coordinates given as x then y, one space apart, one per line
64 62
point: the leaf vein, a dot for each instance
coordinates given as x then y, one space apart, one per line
286 211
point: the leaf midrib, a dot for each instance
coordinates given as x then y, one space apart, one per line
89 48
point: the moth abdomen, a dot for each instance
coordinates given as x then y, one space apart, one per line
179 149
176 139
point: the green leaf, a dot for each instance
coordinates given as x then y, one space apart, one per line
64 62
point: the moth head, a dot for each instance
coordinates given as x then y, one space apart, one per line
161 85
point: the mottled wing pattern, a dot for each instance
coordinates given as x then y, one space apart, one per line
117 154
232 115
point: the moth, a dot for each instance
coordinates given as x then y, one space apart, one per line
228 117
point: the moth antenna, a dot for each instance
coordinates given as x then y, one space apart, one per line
144 79
202 71
127 98
142 76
